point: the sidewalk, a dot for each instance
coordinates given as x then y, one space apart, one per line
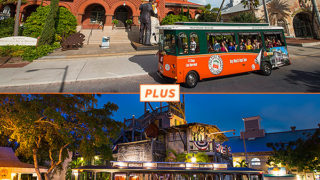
302 42
116 49
81 69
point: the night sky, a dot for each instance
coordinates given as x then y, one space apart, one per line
278 111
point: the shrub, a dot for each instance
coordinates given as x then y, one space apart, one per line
35 53
28 53
171 19
6 27
65 26
115 21
129 21
14 51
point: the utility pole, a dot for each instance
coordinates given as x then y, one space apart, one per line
245 149
265 11
16 22
314 4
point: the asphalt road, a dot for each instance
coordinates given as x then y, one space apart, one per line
303 75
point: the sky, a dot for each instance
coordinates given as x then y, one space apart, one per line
278 111
214 3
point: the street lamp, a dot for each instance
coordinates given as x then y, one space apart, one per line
193 159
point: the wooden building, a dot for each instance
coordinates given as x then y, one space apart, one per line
12 168
160 130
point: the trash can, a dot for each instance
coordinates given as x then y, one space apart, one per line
105 42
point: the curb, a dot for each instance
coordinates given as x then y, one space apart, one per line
71 57
72 81
304 44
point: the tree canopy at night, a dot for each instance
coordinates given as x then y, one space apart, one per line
302 154
48 126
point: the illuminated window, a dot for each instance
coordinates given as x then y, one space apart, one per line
255 162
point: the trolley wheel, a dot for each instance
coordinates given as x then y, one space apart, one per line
192 79
266 68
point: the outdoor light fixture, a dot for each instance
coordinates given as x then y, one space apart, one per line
120 164
221 166
96 157
124 4
149 165
13 175
193 159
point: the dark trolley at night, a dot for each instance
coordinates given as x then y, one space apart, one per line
141 170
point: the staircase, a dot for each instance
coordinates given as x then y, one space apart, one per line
118 35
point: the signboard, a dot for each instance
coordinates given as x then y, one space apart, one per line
18 40
5 174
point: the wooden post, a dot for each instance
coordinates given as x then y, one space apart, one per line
111 176
127 176
94 176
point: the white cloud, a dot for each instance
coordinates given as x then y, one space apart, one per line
216 3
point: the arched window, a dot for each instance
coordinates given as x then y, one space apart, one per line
194 43
97 14
169 43
282 23
255 162
183 43
170 12
197 16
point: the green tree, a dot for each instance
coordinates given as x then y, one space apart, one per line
302 154
241 163
47 127
171 19
173 156
200 157
251 4
65 26
47 36
181 11
6 27
245 17
208 14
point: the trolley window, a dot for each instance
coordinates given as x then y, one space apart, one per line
221 42
250 41
194 43
169 43
183 43
273 39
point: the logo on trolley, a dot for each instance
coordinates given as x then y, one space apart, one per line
215 64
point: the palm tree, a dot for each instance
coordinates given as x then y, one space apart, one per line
242 164
251 4
278 9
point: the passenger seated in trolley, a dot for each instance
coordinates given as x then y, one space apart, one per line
193 46
185 48
217 46
248 45
223 47
231 47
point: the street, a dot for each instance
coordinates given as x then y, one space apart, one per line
303 75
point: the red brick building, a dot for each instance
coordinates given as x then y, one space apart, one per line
90 13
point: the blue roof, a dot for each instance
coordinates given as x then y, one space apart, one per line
241 169
260 144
